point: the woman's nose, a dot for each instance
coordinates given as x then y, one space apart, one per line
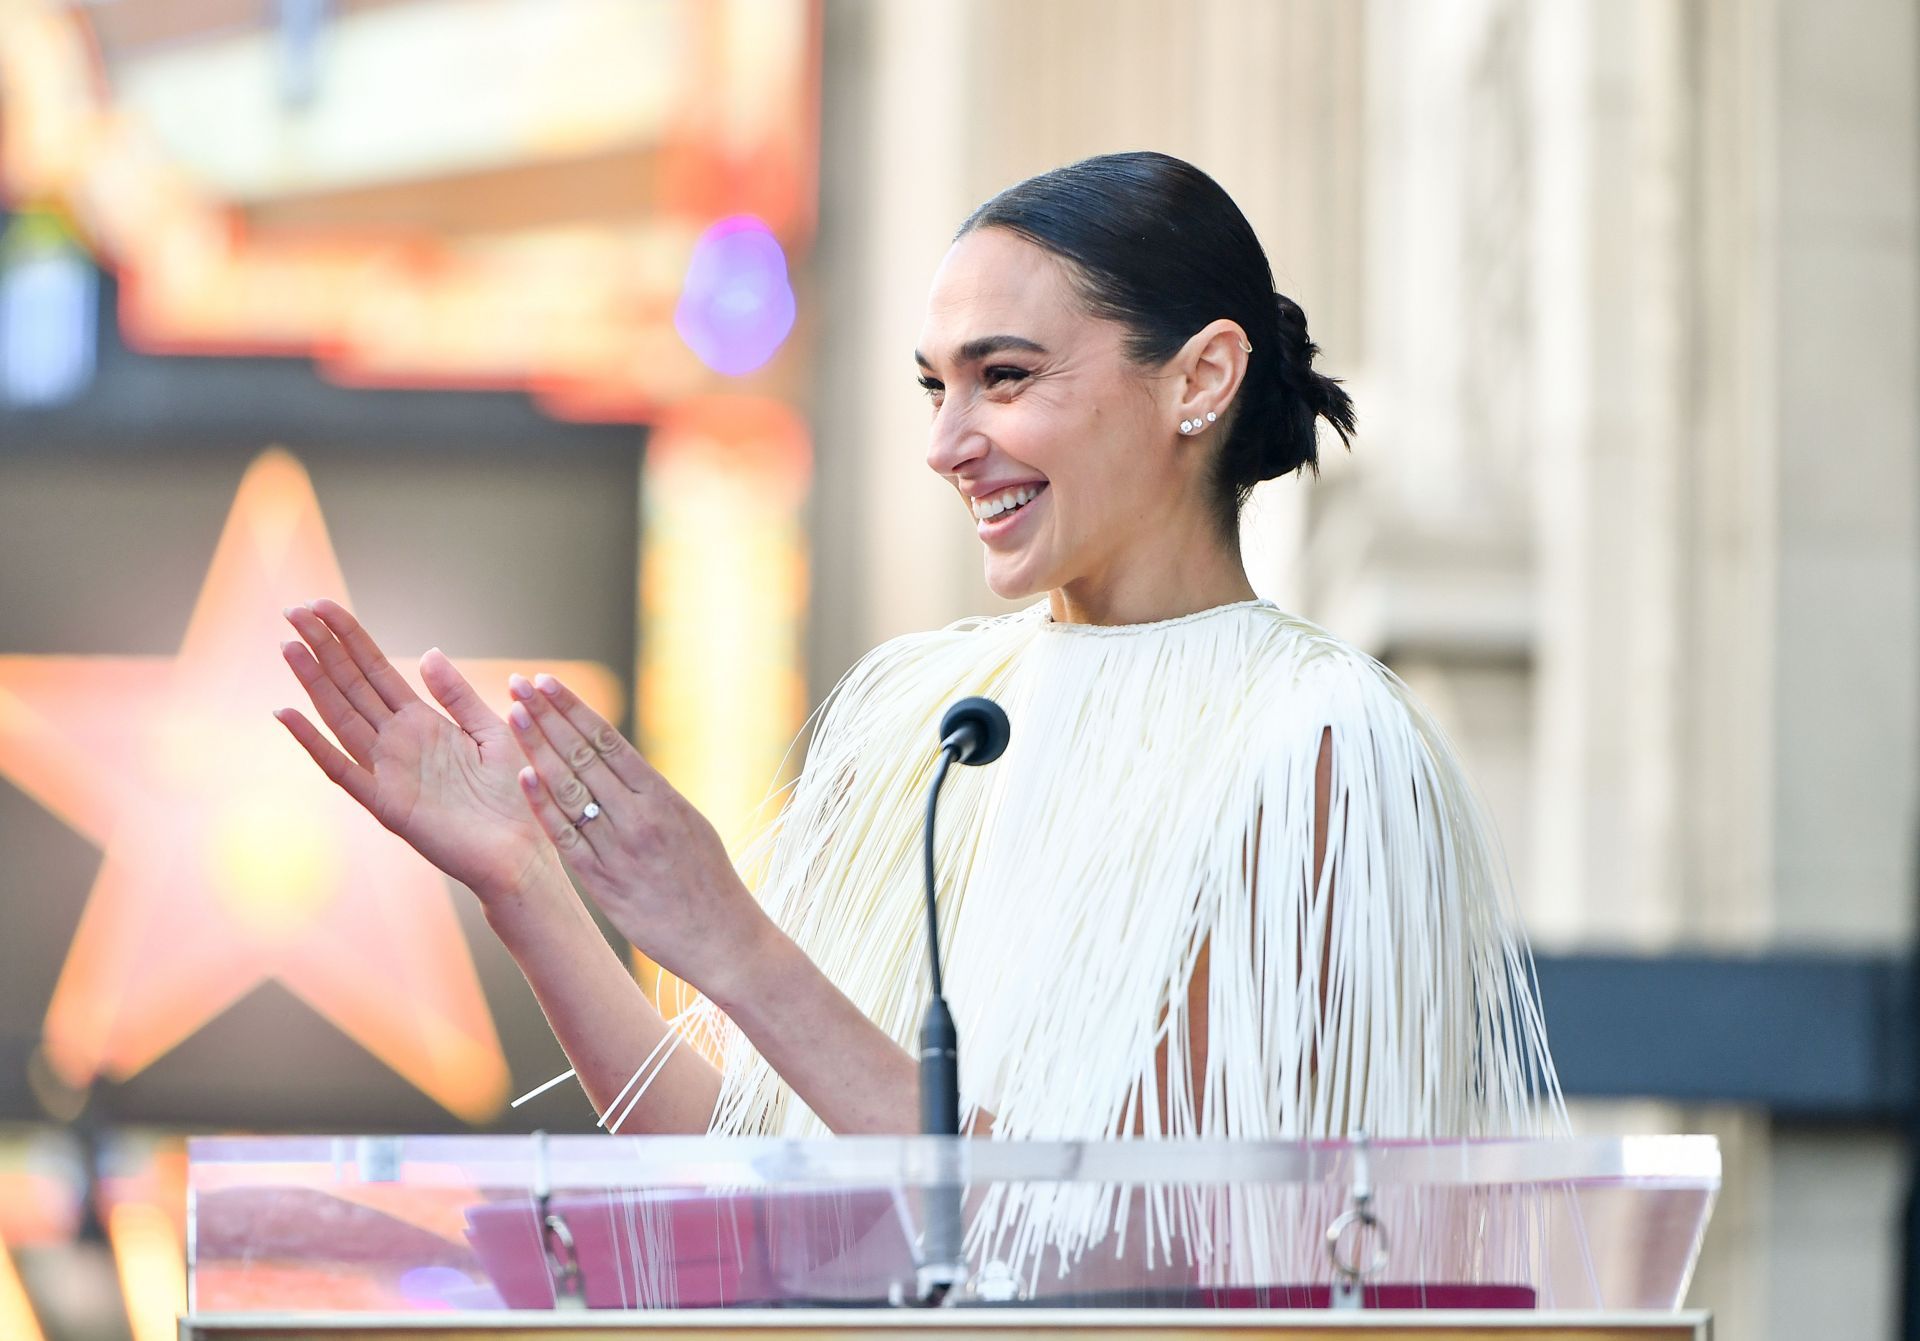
953 442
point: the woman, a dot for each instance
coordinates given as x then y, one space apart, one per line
1227 880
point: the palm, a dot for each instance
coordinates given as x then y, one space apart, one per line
452 797
445 784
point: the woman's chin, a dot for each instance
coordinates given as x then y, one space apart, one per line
1011 581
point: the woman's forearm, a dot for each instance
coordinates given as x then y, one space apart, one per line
856 1079
660 872
603 1020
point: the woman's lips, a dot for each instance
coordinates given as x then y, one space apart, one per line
1002 527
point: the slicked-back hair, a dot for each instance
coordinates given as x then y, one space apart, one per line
1156 245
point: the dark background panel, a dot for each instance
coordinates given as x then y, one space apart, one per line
466 520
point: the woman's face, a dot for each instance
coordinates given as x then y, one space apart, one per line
1055 441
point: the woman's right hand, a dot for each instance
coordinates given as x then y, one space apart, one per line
448 787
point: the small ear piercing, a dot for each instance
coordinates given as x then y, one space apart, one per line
1195 425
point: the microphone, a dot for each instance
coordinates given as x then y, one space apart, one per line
973 731
976 729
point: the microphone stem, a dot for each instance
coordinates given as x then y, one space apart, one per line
943 1260
933 914
939 1041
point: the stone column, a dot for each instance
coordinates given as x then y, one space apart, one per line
1728 541
1843 336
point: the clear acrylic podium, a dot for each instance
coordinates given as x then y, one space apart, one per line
605 1236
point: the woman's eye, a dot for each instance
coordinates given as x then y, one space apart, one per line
1004 376
931 387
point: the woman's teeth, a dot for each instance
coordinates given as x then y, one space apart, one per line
985 509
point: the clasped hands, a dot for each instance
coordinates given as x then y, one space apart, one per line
491 802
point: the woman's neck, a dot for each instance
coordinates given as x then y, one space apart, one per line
1151 588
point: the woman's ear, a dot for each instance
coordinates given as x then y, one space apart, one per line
1210 367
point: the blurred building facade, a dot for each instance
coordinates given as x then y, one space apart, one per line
1628 296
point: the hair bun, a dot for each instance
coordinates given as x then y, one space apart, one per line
1321 396
1292 324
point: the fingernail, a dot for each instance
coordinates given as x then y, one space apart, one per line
529 779
288 611
517 686
548 685
286 647
520 716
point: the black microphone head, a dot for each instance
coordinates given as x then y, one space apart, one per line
983 727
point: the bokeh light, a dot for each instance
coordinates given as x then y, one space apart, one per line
736 306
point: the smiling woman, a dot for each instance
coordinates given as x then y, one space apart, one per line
1228 879
1079 316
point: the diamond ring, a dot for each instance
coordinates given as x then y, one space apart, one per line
591 812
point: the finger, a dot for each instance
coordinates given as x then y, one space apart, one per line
573 748
347 677
566 789
352 779
564 832
389 683
627 763
452 691
341 717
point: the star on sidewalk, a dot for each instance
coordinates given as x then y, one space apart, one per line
229 861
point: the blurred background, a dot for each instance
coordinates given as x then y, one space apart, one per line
575 334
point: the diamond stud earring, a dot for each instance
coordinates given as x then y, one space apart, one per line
1186 425
1211 416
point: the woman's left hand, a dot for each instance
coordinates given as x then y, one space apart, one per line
651 861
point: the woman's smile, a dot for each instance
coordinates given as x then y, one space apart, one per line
999 515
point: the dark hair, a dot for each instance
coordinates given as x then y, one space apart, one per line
1156 245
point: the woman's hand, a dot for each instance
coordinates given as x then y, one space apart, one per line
446 787
651 861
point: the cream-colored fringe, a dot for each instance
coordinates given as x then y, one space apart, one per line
1158 798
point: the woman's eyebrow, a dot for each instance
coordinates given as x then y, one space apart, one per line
986 346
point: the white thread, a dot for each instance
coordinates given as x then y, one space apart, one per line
662 1051
541 1089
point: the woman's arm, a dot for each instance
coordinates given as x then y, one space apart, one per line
659 871
604 1022
444 781
841 1064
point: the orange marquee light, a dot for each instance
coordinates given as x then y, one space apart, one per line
229 860
577 311
723 532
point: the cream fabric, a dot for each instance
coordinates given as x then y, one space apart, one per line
1157 797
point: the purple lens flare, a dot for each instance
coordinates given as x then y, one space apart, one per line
736 307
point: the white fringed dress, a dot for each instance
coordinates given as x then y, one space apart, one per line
1157 801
